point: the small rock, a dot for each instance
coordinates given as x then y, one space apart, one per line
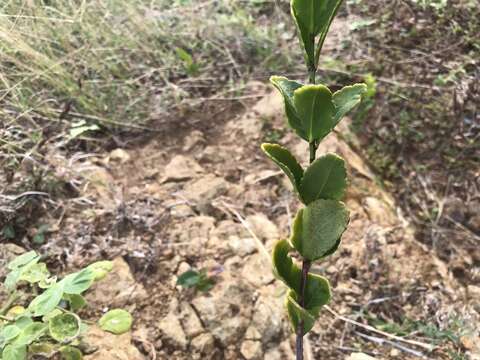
193 139
474 223
183 267
204 343
181 168
213 154
242 246
274 354
254 271
395 353
101 187
251 350
268 319
190 321
223 311
119 155
195 231
473 291
118 288
359 356
250 125
110 346
181 211
378 211
263 175
471 343
455 208
203 191
263 227
172 331
252 334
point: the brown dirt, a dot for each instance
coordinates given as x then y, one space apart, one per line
163 219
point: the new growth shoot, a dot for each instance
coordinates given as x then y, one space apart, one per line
312 111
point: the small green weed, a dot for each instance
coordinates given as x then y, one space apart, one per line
199 280
50 325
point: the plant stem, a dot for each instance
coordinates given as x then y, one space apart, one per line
306 263
6 318
311 74
13 297
303 285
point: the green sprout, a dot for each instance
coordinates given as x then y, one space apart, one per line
49 324
312 111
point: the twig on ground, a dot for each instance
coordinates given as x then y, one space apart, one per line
425 346
260 246
382 341
351 349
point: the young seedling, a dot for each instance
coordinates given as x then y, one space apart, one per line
312 111
49 326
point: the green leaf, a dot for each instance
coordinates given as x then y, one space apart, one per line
8 232
64 327
100 269
346 99
47 301
198 279
326 178
189 278
76 301
11 279
8 333
47 282
318 228
315 109
39 237
51 314
285 161
15 311
42 350
78 282
18 266
23 321
283 265
14 352
116 321
23 260
317 290
296 314
287 88
70 353
313 18
35 273
30 333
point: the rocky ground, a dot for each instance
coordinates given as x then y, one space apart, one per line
200 194
205 197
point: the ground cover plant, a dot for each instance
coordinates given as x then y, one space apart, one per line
50 324
312 112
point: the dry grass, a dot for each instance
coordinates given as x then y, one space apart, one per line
114 62
68 67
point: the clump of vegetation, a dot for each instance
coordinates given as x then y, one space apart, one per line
50 323
422 133
198 280
312 111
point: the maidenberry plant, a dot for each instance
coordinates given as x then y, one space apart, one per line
49 326
312 111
